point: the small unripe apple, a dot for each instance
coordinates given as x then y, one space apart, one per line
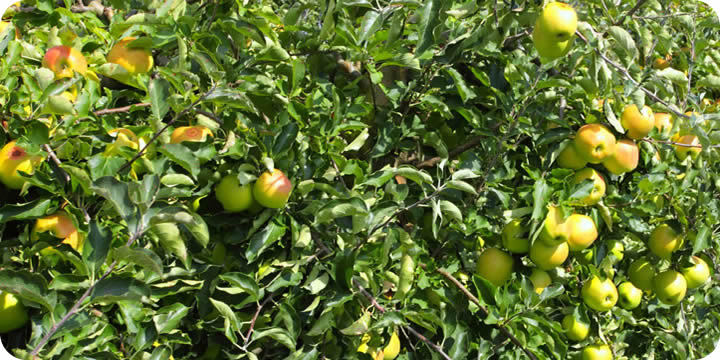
641 273
664 240
597 352
629 295
64 61
555 30
134 60
495 266
670 287
540 280
12 312
272 189
697 274
582 230
600 295
515 237
574 329
547 257
233 196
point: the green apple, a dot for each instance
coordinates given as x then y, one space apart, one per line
624 159
272 189
554 229
575 329
598 190
600 295
617 249
495 266
629 295
597 352
697 274
594 143
515 237
546 256
13 314
233 196
582 232
554 30
641 273
540 280
637 123
670 287
570 159
664 240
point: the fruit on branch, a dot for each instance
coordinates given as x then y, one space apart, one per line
629 295
597 352
641 273
12 312
554 30
575 329
600 295
697 274
664 240
134 60
624 159
637 123
540 280
233 196
663 123
547 257
272 189
582 232
594 143
495 266
598 190
515 237
682 152
13 160
197 133
616 248
670 287
64 61
555 230
570 159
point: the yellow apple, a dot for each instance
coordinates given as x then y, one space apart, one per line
555 30
600 295
134 60
624 159
554 229
392 349
637 123
670 287
13 160
272 189
597 352
540 280
13 314
64 61
547 257
61 226
682 152
663 123
582 230
594 143
232 196
197 133
697 274
515 237
495 266
570 159
575 329
629 295
598 190
664 241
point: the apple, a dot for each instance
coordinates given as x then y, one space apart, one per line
13 160
554 229
570 159
664 241
594 143
637 123
197 133
641 273
272 189
709 263
123 138
597 352
629 295
624 159
12 312
663 122
575 329
598 190
392 349
495 265
582 232
554 30
662 63
670 287
61 226
540 280
697 274
134 60
233 196
546 256
64 61
5 24
600 295
682 152
617 249
515 237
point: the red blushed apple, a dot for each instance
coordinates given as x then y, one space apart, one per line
272 189
64 61
13 158
624 159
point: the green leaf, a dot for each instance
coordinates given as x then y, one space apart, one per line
143 257
466 93
462 186
624 39
231 321
102 165
96 246
119 288
582 190
172 241
541 195
280 335
29 286
418 176
371 23
701 239
450 209
673 75
182 156
429 20
262 240
159 92
243 282
711 81
31 210
168 318
340 208
116 193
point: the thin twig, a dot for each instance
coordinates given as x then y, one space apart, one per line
668 142
54 158
120 109
691 64
631 12
418 335
455 152
252 322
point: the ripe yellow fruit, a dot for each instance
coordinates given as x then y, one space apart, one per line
134 60
13 314
598 190
597 352
682 152
495 266
548 257
641 273
670 287
624 159
272 189
540 280
554 30
664 241
570 159
574 329
13 160
61 226
197 133
392 349
594 143
663 122
582 230
697 274
637 123
64 61
600 295
554 229
515 237
662 63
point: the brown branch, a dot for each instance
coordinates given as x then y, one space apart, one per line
254 318
120 109
631 12
668 142
455 152
691 64
418 335
475 300
54 158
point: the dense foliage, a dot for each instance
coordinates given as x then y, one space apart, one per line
412 132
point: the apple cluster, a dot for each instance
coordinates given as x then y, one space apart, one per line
271 190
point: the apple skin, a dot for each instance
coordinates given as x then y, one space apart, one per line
13 158
135 60
682 152
697 274
64 61
664 241
662 63
637 123
197 133
624 159
629 296
594 143
670 287
272 189
12 312
663 122
495 265
540 280
575 330
548 257
597 352
554 231
515 237
570 159
61 226
616 248
641 273
232 196
599 295
582 230
598 190
554 30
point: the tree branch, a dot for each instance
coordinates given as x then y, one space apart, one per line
454 153
120 109
631 12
